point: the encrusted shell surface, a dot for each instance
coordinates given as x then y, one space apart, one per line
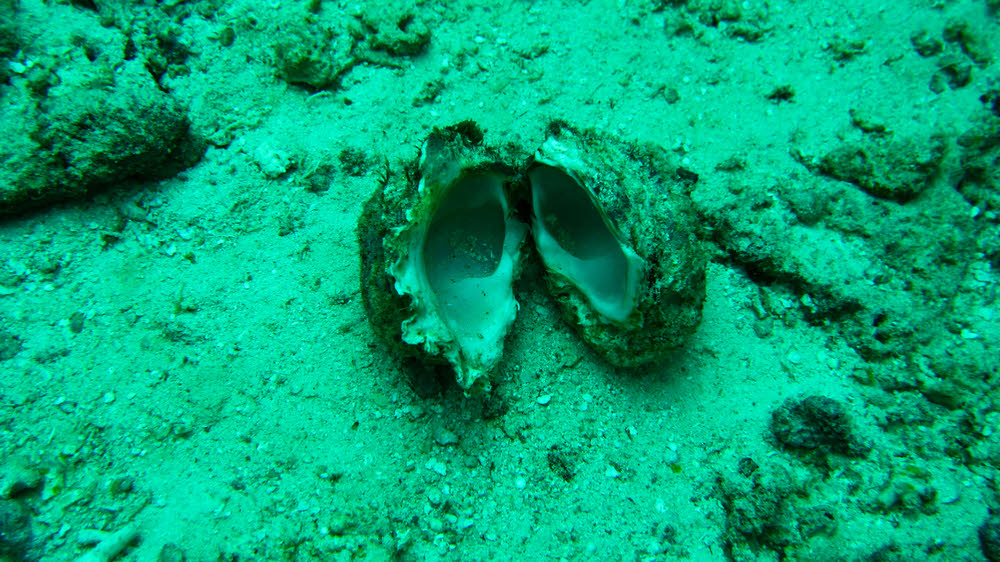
614 226
440 249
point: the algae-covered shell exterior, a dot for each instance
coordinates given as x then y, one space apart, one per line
614 226
440 249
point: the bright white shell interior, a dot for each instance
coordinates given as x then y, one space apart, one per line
469 267
576 240
461 273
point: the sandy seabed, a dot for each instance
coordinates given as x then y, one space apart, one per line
185 358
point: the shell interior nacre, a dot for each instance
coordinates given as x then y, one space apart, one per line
576 240
458 255
468 260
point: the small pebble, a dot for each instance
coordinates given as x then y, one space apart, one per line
76 322
445 437
435 497
520 483
969 334
436 467
273 163
545 399
671 457
171 553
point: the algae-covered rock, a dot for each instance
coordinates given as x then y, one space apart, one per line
10 41
768 510
396 30
980 159
80 138
989 537
315 56
317 50
817 424
16 537
886 167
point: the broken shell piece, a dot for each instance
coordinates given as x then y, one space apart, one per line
440 252
613 225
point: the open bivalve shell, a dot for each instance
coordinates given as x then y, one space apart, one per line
440 252
614 226
441 248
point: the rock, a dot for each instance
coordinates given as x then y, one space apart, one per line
886 167
445 437
969 40
15 531
816 424
925 44
80 138
989 538
980 163
171 553
765 512
396 31
273 163
10 345
18 474
954 71
313 56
